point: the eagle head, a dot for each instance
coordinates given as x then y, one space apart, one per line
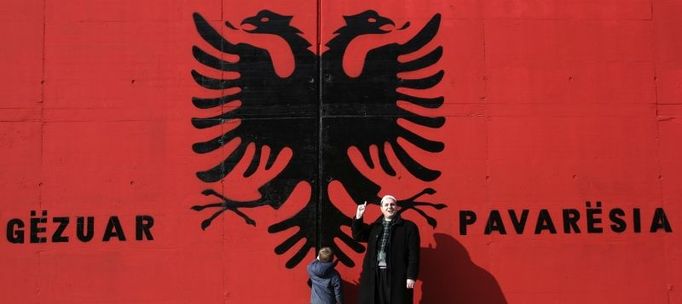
267 22
368 22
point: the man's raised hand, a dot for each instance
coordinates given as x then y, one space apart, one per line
361 210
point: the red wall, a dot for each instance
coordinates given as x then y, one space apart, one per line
548 104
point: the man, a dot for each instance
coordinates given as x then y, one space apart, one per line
391 264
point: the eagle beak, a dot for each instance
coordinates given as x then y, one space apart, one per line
387 25
249 25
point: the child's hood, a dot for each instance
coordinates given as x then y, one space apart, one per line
321 269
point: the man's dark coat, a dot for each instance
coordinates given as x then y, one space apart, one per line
403 258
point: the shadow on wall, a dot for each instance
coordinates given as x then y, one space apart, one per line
449 276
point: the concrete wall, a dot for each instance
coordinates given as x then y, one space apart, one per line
557 160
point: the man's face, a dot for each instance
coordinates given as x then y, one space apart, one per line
389 208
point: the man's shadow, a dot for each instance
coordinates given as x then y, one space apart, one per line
449 276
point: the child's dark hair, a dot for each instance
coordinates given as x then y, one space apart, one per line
326 254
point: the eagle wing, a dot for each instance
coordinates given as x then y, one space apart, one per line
258 103
271 113
382 89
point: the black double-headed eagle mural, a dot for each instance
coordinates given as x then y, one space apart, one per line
318 112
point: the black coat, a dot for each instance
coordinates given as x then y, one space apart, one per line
403 258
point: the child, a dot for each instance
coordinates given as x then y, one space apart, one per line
325 280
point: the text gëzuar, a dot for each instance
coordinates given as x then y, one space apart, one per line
64 229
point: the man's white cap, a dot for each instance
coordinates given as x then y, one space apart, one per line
388 197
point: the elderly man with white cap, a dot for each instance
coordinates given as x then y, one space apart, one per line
391 263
